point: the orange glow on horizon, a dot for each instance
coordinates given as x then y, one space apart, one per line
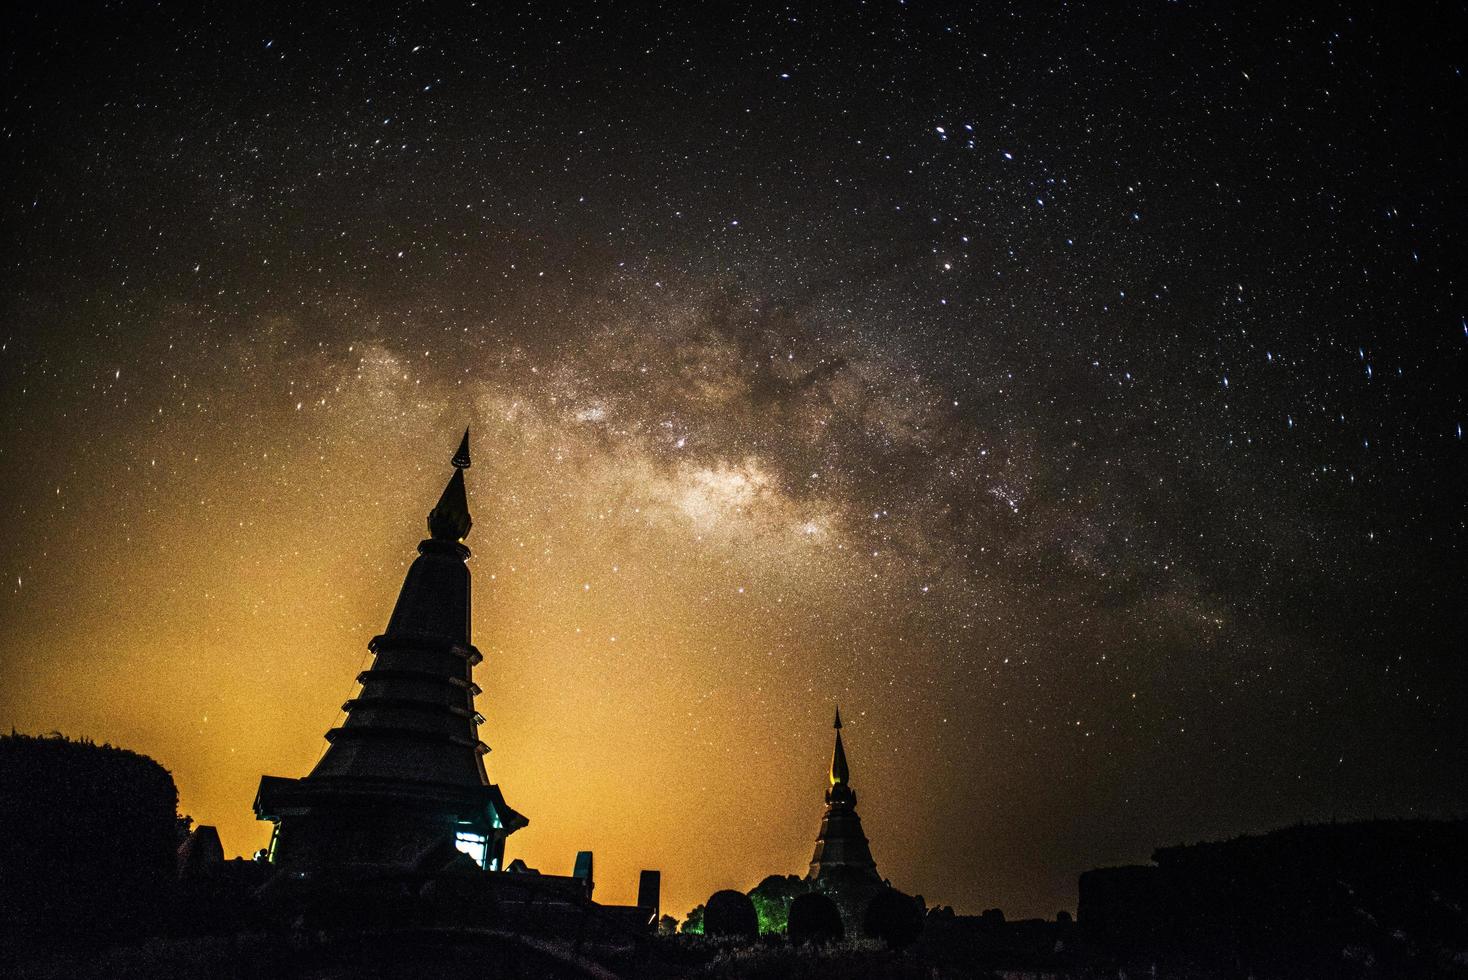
659 642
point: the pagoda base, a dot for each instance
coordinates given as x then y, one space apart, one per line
381 826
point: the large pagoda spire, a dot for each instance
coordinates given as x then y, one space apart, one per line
842 850
435 598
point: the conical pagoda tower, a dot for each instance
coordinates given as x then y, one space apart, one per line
403 776
842 853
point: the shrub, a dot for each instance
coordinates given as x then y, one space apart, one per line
894 918
730 913
88 835
772 898
814 918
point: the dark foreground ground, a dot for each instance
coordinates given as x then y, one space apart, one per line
482 955
464 954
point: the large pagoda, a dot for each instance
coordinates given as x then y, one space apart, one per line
403 777
842 854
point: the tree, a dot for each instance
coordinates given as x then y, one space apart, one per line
894 918
814 918
693 924
730 913
772 898
88 839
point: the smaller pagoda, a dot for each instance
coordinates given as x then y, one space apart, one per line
842 854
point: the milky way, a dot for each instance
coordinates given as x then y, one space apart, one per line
1074 397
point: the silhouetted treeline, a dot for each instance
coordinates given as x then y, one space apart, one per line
88 835
1379 898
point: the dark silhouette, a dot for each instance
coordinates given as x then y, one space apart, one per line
989 945
88 835
650 892
894 918
1372 900
841 846
200 853
730 913
772 898
403 780
814 918
842 866
1381 898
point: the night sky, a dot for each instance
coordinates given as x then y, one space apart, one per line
1074 396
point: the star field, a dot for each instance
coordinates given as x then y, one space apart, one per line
1075 396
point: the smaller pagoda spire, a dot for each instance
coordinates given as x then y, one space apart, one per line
840 772
450 520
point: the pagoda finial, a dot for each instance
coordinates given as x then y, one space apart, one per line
450 520
840 773
461 457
